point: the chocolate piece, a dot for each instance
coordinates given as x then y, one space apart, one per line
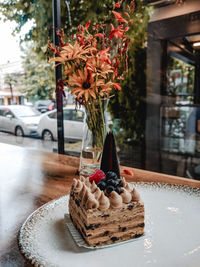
114 238
109 161
106 233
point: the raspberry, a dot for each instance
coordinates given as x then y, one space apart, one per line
97 176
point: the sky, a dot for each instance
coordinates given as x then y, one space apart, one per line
9 45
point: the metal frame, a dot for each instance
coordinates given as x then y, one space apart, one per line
58 77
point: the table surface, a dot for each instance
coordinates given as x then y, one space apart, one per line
30 178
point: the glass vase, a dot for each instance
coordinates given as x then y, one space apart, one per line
94 133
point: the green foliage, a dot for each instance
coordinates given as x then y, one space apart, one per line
40 12
11 79
39 78
129 105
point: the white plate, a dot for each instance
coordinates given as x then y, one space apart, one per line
172 219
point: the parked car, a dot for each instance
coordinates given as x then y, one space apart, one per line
20 120
44 105
73 124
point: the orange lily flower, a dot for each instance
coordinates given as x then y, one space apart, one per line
85 85
71 52
99 67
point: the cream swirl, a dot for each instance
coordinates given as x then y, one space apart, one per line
91 203
93 187
87 182
124 181
75 181
97 193
85 196
128 187
104 202
82 192
78 187
115 200
135 195
82 178
126 196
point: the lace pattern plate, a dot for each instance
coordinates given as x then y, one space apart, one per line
172 218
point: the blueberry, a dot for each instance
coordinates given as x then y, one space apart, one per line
109 189
102 185
111 175
112 182
118 190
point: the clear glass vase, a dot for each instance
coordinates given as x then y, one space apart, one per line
94 133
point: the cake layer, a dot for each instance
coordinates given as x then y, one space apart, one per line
100 230
127 218
110 238
127 211
105 229
103 216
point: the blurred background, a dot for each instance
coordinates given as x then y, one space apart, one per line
156 115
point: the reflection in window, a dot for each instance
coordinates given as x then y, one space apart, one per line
180 81
66 114
77 115
53 115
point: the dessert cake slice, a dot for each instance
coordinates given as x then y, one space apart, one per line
104 207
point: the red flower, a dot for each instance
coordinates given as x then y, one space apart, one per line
126 29
51 47
117 86
81 39
96 27
87 25
126 14
131 21
81 28
132 6
104 55
119 17
100 35
116 67
117 5
118 32
126 45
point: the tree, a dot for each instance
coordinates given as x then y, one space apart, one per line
11 80
39 77
40 12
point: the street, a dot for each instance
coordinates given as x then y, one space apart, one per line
38 144
32 143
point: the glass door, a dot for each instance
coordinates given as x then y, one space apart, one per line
180 111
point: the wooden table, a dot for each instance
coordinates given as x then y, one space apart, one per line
30 178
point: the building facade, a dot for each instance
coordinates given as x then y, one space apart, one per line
173 87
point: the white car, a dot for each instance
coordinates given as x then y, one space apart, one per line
19 119
72 120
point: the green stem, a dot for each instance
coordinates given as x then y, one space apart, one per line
96 122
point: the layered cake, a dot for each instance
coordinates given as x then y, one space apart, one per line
104 207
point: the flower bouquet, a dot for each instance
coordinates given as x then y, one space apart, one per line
94 61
